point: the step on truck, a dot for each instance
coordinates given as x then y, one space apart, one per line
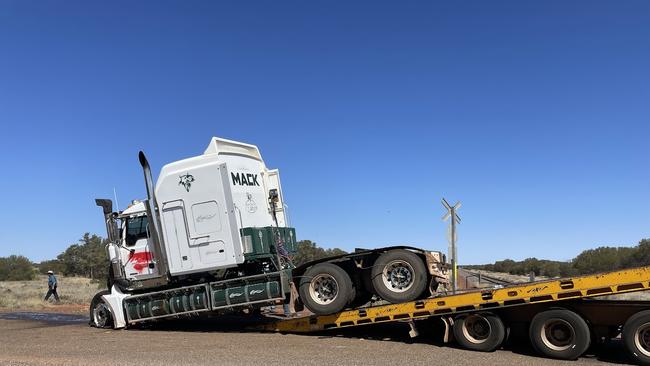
213 237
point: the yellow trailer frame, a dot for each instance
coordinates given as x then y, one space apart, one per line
609 283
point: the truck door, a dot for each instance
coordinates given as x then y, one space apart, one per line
137 257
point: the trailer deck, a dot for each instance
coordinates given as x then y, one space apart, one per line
610 283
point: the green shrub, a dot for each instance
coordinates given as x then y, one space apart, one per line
16 268
309 251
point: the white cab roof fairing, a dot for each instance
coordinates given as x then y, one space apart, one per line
217 146
223 146
138 208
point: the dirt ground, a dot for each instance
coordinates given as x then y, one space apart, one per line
58 334
69 341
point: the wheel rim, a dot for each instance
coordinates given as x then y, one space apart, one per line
323 289
642 339
398 276
101 315
476 329
558 334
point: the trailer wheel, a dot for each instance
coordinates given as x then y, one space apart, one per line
325 289
636 337
399 276
560 334
479 332
360 297
100 314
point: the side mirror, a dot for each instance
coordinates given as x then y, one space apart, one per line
105 204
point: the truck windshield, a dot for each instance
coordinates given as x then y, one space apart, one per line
136 228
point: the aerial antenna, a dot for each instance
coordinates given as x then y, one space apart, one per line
117 204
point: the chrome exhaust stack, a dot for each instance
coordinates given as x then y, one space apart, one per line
111 225
154 219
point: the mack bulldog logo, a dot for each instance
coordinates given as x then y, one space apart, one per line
186 181
242 179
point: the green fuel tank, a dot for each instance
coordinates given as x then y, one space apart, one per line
222 297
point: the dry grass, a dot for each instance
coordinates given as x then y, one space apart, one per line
28 295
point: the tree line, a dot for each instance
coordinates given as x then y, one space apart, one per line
589 261
309 251
87 258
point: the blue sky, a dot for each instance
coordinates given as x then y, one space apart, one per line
536 115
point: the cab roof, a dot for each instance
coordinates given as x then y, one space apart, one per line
134 209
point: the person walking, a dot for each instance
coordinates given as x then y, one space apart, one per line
51 285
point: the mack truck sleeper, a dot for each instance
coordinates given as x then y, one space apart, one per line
212 236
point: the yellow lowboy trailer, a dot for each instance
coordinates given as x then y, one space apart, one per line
561 319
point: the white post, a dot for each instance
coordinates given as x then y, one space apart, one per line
453 254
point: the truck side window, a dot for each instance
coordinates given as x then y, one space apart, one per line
136 228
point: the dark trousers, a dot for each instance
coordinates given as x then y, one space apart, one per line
50 292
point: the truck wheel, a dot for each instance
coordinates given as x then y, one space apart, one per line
636 337
360 297
479 332
399 276
100 314
325 289
560 334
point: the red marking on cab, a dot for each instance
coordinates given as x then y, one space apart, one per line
140 260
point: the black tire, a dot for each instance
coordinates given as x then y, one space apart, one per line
410 264
360 297
636 337
99 312
560 334
325 288
366 281
482 332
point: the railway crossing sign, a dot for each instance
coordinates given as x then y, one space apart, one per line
452 236
449 209
451 212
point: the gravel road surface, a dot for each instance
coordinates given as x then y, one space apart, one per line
69 341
